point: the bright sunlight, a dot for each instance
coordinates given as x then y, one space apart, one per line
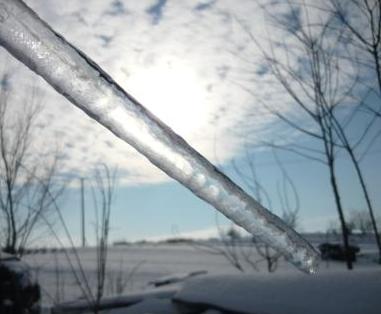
174 94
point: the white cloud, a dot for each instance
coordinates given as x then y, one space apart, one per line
183 67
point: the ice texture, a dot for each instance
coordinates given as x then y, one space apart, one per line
81 80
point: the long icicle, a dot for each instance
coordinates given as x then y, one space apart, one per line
87 86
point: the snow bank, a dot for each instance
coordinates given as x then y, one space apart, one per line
149 306
108 303
354 292
332 292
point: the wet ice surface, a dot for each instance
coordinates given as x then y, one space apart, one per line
80 80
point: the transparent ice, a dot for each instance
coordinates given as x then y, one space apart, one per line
80 80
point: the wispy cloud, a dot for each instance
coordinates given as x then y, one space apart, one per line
184 61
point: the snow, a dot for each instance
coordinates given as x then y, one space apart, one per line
150 305
88 87
332 290
120 302
339 292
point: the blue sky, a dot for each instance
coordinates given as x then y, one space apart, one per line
186 62
167 210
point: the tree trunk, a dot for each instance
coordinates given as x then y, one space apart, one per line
378 68
368 203
13 230
339 207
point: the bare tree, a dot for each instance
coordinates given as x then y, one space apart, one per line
322 86
25 181
242 251
228 245
360 22
288 198
104 184
103 195
328 64
232 247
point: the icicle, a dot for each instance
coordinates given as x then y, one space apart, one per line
80 80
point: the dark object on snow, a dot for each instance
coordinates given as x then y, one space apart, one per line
19 294
336 251
175 278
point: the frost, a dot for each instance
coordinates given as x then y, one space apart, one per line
88 87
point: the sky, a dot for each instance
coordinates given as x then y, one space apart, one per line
187 62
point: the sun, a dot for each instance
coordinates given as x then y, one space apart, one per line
174 94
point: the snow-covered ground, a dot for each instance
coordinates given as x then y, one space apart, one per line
135 267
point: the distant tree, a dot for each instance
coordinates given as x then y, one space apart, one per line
333 230
361 221
233 234
27 180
